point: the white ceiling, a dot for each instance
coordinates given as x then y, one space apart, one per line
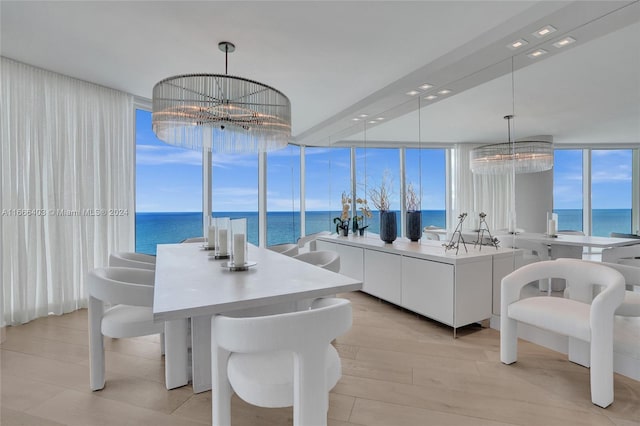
336 59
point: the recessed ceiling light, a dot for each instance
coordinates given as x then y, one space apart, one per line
564 42
517 44
380 118
363 115
444 92
544 31
355 119
412 92
372 122
430 97
426 86
537 53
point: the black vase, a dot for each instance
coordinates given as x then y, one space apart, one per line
388 227
414 226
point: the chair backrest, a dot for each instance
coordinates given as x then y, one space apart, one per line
323 258
540 250
126 259
581 279
631 274
622 235
194 240
296 331
286 249
429 235
116 285
311 239
628 255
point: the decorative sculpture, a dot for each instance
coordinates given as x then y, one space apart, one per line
481 231
454 243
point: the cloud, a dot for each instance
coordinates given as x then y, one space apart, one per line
150 155
618 176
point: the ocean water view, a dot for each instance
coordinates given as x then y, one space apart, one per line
284 227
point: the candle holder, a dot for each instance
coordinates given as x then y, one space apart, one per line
210 238
239 250
222 225
552 224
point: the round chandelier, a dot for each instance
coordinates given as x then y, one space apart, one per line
525 156
221 113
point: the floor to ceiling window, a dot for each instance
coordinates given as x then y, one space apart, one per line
374 167
327 176
234 189
425 169
283 195
611 195
567 188
168 190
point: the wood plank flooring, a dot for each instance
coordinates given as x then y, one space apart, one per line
398 369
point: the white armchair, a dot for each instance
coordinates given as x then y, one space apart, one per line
279 360
628 255
323 258
130 291
125 259
286 249
579 317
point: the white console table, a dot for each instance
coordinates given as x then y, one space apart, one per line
455 290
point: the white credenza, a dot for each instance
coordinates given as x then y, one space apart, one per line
452 289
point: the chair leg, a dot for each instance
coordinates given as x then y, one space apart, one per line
221 389
96 344
508 340
310 391
602 366
162 350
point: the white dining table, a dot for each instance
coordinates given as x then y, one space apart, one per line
578 240
191 285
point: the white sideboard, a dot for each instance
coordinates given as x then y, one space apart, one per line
454 289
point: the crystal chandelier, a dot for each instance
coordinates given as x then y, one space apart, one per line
221 113
529 156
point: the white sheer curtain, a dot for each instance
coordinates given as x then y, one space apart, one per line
67 187
491 194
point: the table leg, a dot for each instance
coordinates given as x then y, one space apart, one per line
176 361
201 353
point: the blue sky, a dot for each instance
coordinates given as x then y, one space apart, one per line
610 179
169 179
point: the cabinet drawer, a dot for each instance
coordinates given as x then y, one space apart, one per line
382 275
427 288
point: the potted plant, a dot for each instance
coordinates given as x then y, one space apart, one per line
342 222
358 221
381 199
414 219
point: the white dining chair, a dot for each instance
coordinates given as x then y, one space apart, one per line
532 251
311 240
581 317
627 255
326 259
430 235
286 249
279 360
130 292
124 259
630 306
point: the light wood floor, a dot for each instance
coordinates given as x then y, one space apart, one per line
398 369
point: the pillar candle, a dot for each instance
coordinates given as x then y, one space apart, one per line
211 237
222 241
552 229
238 249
